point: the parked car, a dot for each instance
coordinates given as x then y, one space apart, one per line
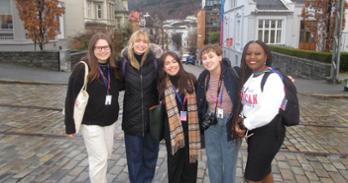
184 58
191 59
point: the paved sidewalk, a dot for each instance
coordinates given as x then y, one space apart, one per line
34 148
22 74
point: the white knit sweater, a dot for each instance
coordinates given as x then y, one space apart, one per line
260 107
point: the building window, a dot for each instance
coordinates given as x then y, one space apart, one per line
99 11
233 3
89 9
6 22
270 30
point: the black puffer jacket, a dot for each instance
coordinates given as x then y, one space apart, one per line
140 94
231 82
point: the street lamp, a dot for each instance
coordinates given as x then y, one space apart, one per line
336 52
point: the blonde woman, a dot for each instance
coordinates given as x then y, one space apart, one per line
139 71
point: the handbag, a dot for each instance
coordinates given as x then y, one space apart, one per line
156 122
81 102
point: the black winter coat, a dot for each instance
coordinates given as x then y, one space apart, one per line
231 82
140 94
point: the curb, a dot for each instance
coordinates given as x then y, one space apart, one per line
29 82
325 95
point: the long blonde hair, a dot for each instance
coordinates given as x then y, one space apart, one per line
136 36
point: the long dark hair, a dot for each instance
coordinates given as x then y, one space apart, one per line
186 80
245 71
92 60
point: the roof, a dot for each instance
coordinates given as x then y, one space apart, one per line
270 5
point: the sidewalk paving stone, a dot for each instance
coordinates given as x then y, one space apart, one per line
33 146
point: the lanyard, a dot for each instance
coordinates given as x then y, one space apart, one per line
221 96
179 98
218 92
106 81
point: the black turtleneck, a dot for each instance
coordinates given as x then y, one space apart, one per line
174 80
104 67
138 57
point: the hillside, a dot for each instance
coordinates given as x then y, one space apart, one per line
166 9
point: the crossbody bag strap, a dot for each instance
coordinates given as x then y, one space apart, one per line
85 81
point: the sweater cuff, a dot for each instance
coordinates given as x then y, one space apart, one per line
247 124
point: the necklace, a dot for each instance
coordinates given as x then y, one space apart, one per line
261 72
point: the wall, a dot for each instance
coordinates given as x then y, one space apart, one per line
294 66
63 60
300 67
48 60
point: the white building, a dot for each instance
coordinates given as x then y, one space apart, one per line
12 32
272 21
80 16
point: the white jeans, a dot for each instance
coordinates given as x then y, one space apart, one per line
99 141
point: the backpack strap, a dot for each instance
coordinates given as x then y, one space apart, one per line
235 73
264 78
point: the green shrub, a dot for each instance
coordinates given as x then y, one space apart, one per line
324 57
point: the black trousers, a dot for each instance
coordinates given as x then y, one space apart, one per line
180 170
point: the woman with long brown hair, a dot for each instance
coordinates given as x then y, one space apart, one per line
101 113
181 126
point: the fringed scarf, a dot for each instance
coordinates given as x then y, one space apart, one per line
177 139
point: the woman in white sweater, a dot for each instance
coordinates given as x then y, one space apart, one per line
259 120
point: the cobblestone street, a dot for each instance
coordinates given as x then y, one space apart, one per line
33 146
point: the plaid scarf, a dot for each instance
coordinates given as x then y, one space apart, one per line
177 139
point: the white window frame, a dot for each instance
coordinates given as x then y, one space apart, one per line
8 33
89 9
238 30
270 29
99 10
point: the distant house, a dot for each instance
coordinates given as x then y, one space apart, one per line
80 16
272 21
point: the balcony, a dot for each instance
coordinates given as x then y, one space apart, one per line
6 34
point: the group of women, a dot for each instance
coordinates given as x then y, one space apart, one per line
209 107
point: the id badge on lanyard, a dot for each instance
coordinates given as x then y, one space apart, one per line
108 99
183 115
106 81
220 110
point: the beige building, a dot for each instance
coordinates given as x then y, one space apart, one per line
84 15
